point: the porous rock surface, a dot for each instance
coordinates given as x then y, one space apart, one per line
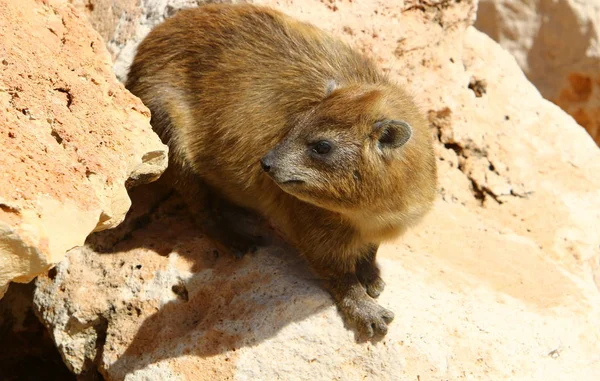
557 44
500 281
71 137
124 23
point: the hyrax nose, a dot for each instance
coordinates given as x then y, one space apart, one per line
265 166
266 162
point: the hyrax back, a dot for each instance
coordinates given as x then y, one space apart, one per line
279 117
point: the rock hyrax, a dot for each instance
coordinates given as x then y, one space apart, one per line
278 117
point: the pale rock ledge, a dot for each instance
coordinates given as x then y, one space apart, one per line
71 137
557 44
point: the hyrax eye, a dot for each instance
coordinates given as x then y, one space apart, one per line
322 148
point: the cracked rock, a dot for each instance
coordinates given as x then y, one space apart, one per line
71 137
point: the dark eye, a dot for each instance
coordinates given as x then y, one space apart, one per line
322 148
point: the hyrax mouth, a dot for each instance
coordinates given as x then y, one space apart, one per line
292 182
281 177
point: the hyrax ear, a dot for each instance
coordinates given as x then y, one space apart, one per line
392 133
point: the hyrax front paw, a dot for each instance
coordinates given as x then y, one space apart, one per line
369 317
241 245
373 284
368 276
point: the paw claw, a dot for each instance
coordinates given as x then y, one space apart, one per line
375 287
387 316
370 318
381 328
238 254
240 249
368 330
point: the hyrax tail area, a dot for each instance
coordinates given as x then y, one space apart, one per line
279 117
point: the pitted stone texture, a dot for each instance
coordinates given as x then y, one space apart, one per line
71 136
123 24
557 44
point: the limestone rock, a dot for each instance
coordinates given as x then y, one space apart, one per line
557 44
71 136
499 281
123 24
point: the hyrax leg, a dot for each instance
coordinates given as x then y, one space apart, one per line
234 226
368 272
219 219
357 307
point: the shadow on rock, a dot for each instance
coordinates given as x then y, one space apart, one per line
190 296
26 348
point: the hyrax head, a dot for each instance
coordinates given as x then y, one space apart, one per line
363 151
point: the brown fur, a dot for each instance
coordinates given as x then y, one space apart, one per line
231 85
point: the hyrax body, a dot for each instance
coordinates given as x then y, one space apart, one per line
278 117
